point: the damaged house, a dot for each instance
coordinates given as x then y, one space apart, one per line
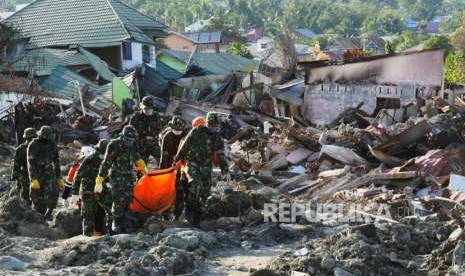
395 84
78 46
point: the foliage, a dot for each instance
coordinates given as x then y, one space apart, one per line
239 49
458 39
343 17
455 68
436 42
406 40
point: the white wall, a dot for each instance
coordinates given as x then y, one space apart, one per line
137 56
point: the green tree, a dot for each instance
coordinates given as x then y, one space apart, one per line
455 68
421 9
388 21
406 40
436 42
239 49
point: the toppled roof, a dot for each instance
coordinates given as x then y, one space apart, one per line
214 63
204 37
62 82
155 80
43 61
89 23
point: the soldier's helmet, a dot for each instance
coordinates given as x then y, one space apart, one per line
212 119
46 132
101 146
147 102
30 133
129 133
177 122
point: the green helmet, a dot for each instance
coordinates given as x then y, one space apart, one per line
30 133
129 133
101 146
177 122
147 101
212 119
46 132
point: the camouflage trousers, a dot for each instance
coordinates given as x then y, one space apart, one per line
122 186
23 185
182 190
45 199
198 191
91 203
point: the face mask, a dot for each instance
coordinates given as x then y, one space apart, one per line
101 155
147 111
177 132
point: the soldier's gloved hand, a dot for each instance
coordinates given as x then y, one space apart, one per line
61 183
98 188
141 166
35 185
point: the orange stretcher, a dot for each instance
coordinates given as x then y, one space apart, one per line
155 192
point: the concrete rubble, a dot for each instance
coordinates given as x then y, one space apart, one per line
399 192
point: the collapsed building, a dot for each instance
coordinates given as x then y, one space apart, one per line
374 131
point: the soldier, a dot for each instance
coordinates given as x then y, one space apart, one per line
170 141
20 172
148 126
118 163
197 149
44 172
84 186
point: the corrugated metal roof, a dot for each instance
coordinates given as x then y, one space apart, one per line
84 22
155 80
61 82
214 63
204 37
99 65
43 61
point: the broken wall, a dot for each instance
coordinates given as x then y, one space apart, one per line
324 102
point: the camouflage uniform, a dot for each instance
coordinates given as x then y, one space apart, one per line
43 165
197 149
20 172
170 141
119 162
84 185
148 128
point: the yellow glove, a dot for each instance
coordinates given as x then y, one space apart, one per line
141 166
98 188
61 183
35 185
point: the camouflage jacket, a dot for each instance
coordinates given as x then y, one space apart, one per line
199 146
20 161
148 127
86 174
119 158
43 158
169 147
